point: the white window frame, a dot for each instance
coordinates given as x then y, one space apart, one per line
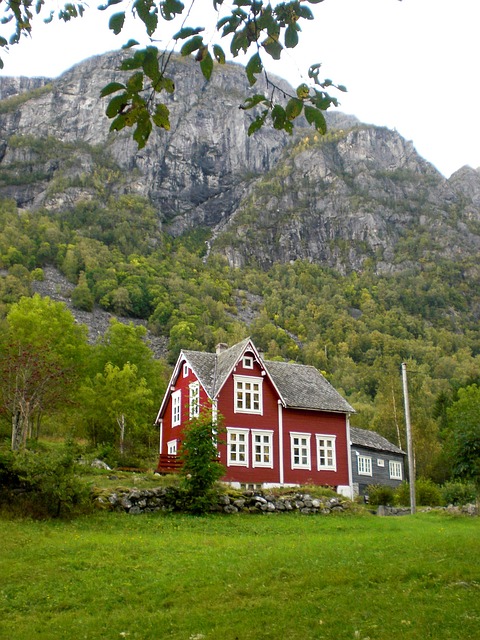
237 447
172 447
380 462
194 399
395 470
186 370
245 397
327 445
364 465
248 362
263 449
177 408
303 444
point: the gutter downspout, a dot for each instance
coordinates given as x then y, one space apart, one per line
280 442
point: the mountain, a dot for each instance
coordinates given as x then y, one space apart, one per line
359 195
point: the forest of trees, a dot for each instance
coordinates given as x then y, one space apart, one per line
357 329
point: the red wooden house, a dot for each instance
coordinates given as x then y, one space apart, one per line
285 424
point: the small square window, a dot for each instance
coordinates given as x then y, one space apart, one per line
380 462
248 362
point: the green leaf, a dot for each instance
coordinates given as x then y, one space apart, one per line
171 8
252 101
258 122
186 32
131 43
142 131
118 124
112 87
315 116
206 65
291 36
191 45
303 91
254 66
150 63
116 105
272 47
239 41
116 22
110 3
161 117
165 83
219 54
294 108
147 14
279 117
135 82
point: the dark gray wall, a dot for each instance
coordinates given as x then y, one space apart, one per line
380 475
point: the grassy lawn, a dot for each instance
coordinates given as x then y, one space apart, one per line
292 577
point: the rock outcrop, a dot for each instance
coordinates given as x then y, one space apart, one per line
361 193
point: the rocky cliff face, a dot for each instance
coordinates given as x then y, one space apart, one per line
359 193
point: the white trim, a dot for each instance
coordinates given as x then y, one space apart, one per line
194 399
306 437
328 447
364 465
280 443
248 362
262 445
172 447
160 435
349 454
176 408
395 464
239 452
246 395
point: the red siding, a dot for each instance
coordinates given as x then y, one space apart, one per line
182 384
294 420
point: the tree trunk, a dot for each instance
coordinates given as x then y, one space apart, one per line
121 424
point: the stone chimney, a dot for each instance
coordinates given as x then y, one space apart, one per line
221 346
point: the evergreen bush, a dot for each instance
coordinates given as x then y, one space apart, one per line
380 494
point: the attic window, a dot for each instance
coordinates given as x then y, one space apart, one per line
186 370
248 362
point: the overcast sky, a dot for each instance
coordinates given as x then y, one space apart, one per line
409 65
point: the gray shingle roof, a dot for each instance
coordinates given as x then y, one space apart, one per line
300 386
372 440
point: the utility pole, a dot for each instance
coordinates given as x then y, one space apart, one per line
411 461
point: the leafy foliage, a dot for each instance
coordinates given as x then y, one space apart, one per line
50 480
201 468
256 28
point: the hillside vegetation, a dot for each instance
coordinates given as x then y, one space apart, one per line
357 328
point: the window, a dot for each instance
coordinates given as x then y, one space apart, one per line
380 462
176 408
237 447
172 448
194 400
262 452
364 465
326 458
248 362
300 449
395 469
248 394
186 370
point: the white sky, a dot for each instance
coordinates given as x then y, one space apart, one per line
410 65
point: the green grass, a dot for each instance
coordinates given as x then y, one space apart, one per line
114 576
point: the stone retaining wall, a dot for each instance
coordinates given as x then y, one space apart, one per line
137 501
